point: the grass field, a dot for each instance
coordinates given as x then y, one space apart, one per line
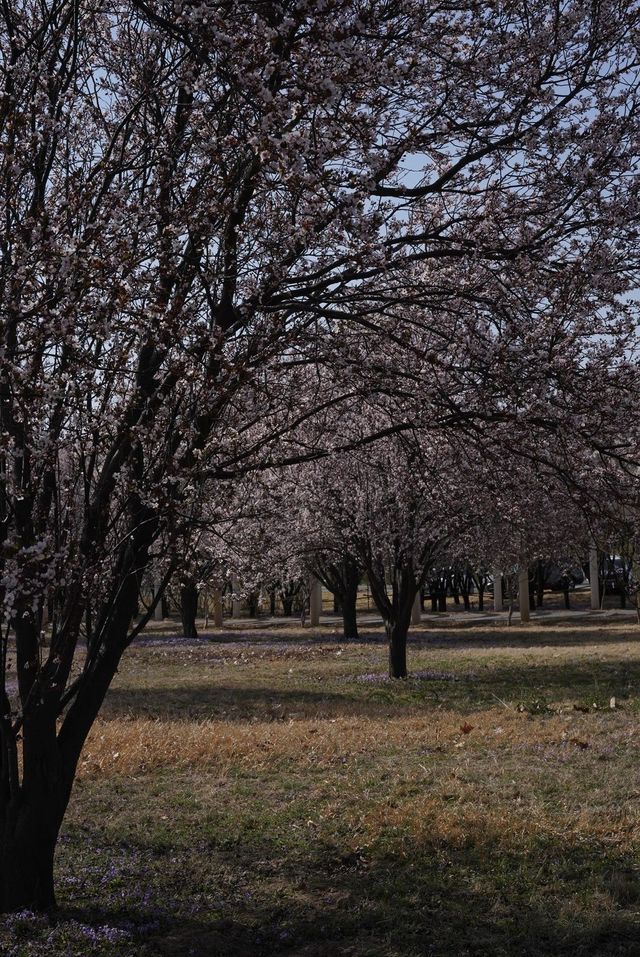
270 793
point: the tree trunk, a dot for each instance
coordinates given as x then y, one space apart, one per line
287 606
480 599
29 837
349 616
434 603
442 602
397 635
351 572
189 608
567 602
218 608
252 604
31 811
465 599
539 589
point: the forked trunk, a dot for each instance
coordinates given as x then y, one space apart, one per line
33 803
396 612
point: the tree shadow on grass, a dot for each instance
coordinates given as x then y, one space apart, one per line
540 633
402 899
256 638
222 703
344 696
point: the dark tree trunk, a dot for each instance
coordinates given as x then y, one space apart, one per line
397 636
287 606
539 589
480 599
31 810
349 615
351 572
290 597
567 601
465 599
164 605
395 610
342 578
434 603
272 602
32 806
532 598
30 826
623 597
189 608
442 602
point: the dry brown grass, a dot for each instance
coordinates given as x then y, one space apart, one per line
138 745
479 790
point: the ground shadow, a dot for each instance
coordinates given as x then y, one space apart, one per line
418 898
531 684
539 634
